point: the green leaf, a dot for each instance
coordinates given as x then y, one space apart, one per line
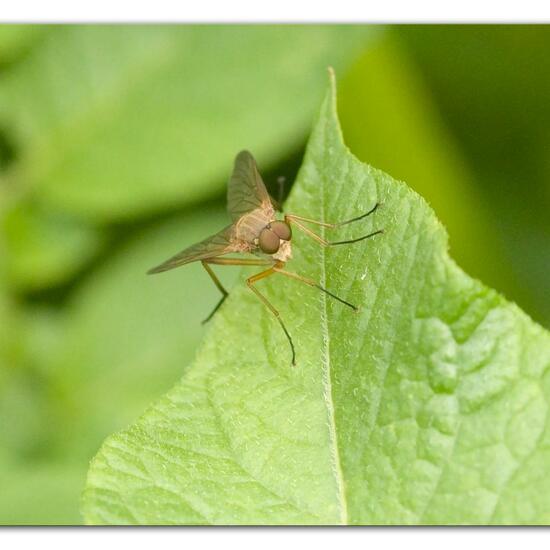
115 121
428 406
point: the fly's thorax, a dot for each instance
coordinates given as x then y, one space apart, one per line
249 227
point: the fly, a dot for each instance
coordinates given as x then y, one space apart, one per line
255 230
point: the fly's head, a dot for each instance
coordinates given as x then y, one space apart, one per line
274 240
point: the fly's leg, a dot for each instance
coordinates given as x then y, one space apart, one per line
262 275
292 219
337 224
297 221
226 261
220 288
314 284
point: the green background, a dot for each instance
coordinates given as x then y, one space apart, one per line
115 147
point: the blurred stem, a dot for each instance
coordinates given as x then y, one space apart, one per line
389 121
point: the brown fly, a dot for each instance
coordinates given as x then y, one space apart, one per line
255 230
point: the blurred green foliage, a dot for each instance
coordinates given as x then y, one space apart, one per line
396 108
491 85
115 146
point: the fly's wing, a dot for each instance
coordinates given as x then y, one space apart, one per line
246 190
216 245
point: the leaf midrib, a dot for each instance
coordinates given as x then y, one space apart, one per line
327 380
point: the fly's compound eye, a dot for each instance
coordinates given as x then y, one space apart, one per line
269 241
282 229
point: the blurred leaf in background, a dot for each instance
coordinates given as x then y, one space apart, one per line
45 246
111 122
15 40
